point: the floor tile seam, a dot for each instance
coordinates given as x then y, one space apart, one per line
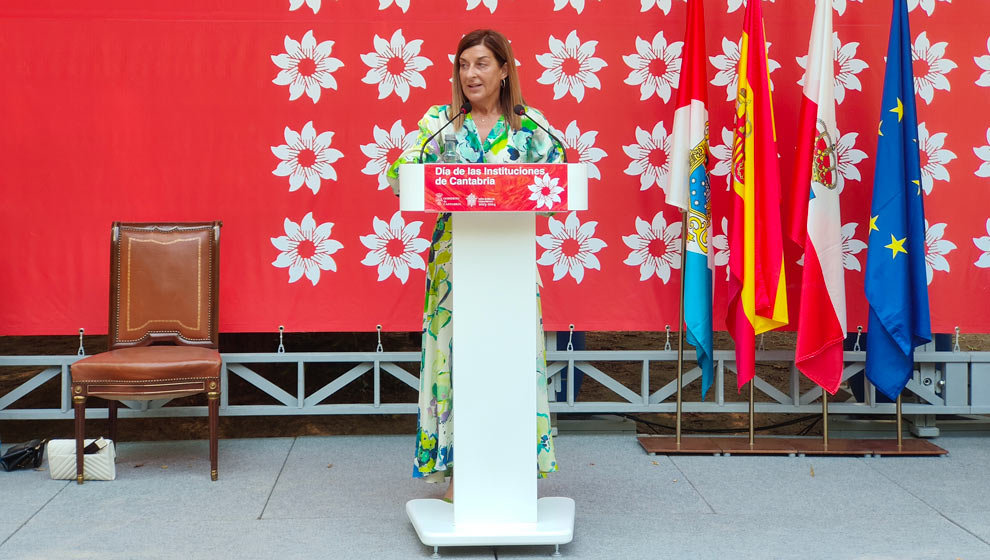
693 487
277 477
957 524
36 512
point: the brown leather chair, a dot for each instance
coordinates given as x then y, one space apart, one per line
163 289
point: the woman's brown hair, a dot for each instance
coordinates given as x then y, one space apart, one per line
510 94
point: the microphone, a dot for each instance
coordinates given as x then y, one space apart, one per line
465 109
521 111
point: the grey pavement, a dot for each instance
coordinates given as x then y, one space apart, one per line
343 497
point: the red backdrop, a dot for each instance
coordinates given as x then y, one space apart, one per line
198 110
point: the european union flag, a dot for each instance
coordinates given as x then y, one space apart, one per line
896 286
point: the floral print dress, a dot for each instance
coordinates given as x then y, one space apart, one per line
434 458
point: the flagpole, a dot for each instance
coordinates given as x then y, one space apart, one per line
680 330
900 435
752 407
824 420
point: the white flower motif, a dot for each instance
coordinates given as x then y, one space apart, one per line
664 5
728 63
394 247
490 4
736 4
656 247
588 154
984 63
723 154
840 5
306 249
570 247
934 157
847 66
570 66
927 5
306 66
847 156
721 244
561 4
545 191
306 157
650 157
935 249
656 67
296 4
983 244
925 83
386 148
395 65
850 247
983 152
404 4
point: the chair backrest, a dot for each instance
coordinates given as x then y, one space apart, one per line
164 283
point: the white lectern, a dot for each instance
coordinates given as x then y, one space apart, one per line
494 361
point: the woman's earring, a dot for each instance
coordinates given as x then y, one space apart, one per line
503 83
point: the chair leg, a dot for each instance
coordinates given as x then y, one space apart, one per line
213 399
79 403
112 420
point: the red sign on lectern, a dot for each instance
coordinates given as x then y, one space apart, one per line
493 187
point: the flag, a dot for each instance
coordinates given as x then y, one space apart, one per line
896 285
815 221
690 190
757 289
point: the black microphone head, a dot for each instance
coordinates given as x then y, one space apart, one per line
466 108
519 110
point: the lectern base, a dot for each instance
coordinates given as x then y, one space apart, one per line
434 523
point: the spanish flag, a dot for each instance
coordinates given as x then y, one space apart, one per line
757 290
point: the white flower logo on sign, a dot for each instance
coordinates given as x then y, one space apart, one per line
721 244
933 77
927 5
545 191
847 66
736 4
984 63
570 66
394 247
983 152
983 244
570 247
664 5
655 247
490 4
296 4
847 156
588 154
656 67
723 156
306 249
727 64
934 158
650 157
403 4
386 148
935 249
840 5
306 66
395 66
850 247
306 158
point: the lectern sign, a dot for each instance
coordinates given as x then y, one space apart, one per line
495 187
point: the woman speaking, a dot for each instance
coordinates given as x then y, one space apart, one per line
491 124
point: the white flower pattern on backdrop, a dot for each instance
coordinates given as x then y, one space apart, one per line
723 156
402 4
983 152
656 67
727 64
736 4
570 247
306 249
588 153
984 63
561 4
386 148
927 5
850 247
545 191
935 249
934 158
306 67
570 66
296 4
650 157
656 247
395 65
306 158
983 244
840 5
490 4
847 156
394 247
927 80
847 66
664 5
721 244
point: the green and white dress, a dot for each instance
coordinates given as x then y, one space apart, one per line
434 457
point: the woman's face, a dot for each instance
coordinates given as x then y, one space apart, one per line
481 76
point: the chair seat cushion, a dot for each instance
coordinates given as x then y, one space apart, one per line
142 364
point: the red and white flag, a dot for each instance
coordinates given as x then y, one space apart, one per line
815 221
